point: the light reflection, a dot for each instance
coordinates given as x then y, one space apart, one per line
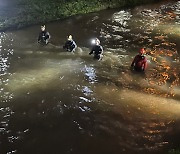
12 139
6 50
87 91
113 31
83 99
121 17
12 152
163 53
163 73
90 72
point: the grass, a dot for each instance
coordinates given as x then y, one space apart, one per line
28 12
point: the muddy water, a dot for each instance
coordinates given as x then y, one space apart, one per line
53 101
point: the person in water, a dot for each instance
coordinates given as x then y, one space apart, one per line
70 44
140 61
97 50
44 36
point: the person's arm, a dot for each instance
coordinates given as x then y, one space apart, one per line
39 37
144 66
75 45
65 45
101 50
133 62
92 50
47 36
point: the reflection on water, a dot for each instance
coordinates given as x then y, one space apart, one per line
90 73
6 52
58 102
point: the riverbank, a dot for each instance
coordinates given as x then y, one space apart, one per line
21 13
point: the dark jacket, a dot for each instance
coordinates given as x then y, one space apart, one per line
97 50
139 63
70 45
43 36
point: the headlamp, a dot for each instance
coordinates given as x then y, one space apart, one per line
93 41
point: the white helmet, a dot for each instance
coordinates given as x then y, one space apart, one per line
70 37
43 27
97 41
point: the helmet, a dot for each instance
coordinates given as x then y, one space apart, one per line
70 37
142 51
43 27
97 41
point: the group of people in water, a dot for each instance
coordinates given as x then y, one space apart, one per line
138 64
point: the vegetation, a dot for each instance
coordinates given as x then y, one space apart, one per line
20 13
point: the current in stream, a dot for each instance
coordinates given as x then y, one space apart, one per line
53 101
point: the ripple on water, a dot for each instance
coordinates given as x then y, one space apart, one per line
63 95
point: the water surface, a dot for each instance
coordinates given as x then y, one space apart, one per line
53 101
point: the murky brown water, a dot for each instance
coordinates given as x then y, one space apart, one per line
57 102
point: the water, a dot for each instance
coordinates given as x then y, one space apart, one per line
58 102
